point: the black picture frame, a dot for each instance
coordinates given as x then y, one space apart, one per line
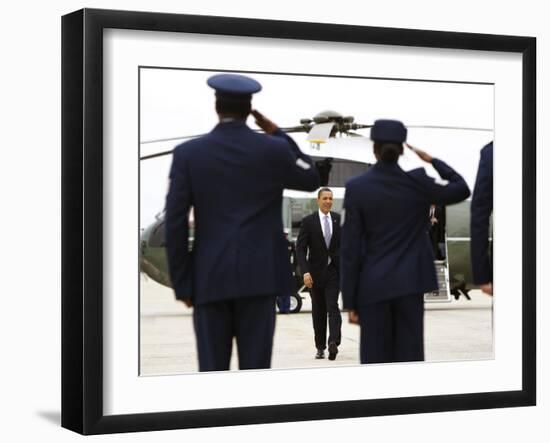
82 219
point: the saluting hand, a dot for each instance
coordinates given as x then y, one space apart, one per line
422 154
263 122
308 281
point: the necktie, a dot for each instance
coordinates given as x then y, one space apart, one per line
327 233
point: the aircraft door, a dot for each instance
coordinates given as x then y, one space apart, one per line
438 238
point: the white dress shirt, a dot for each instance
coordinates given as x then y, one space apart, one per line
322 220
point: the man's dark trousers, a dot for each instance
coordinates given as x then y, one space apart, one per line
324 300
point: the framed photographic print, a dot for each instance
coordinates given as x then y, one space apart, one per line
134 86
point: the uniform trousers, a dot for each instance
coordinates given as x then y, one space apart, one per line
251 320
324 302
392 330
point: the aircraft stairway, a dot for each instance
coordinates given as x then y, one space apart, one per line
442 273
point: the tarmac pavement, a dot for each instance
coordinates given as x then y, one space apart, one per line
456 330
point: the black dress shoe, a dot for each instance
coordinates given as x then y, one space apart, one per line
332 351
320 354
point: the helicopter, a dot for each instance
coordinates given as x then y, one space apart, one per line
340 151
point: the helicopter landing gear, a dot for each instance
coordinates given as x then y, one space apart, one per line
295 303
294 307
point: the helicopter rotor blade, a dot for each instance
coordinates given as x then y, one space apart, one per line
158 154
163 153
158 140
461 128
303 128
355 126
286 130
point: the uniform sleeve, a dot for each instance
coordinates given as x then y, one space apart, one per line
453 192
302 244
178 204
301 173
351 258
481 209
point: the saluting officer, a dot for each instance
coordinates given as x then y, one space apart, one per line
234 178
386 255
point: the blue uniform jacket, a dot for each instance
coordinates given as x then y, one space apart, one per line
385 246
234 178
481 209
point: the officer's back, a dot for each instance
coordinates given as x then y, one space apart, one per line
392 206
395 227
237 179
234 179
386 255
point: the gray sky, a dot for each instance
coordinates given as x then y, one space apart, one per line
176 103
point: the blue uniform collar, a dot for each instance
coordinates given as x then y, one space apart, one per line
385 165
231 124
236 123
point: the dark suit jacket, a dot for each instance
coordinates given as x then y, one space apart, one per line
234 179
386 251
481 209
437 230
311 239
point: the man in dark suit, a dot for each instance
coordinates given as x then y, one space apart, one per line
320 236
437 230
283 301
480 214
386 254
233 178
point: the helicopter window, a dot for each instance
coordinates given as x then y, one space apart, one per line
158 232
157 235
336 172
459 220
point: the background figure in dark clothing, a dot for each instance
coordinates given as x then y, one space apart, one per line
283 301
437 231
